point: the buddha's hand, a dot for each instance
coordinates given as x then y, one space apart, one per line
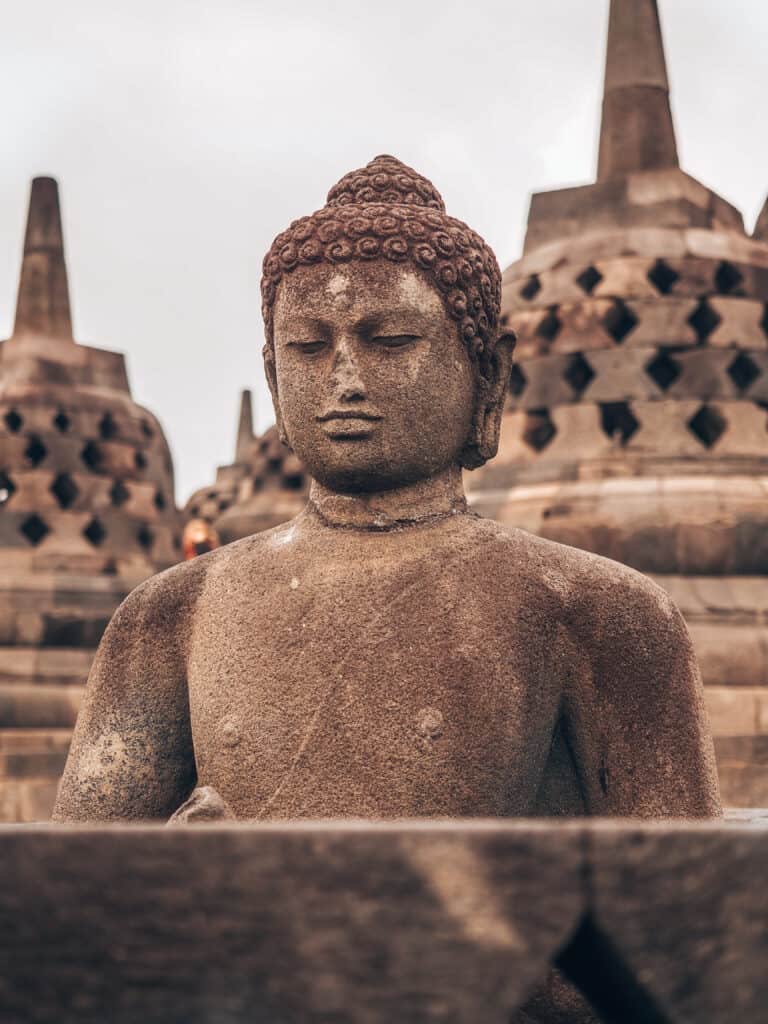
202 806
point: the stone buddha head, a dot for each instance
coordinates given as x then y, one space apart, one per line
383 350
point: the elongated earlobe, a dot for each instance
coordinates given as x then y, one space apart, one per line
484 441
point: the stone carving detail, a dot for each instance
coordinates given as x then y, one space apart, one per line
388 211
78 524
636 424
265 486
328 922
387 654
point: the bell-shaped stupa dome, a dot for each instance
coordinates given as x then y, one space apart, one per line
265 486
87 511
637 421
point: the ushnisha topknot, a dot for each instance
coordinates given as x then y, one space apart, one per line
387 211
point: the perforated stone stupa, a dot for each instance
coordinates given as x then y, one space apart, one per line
266 484
86 512
637 421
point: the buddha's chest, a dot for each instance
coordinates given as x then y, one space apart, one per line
376 695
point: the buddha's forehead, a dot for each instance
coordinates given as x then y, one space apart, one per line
353 291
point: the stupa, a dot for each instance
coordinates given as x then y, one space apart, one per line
86 512
265 486
637 421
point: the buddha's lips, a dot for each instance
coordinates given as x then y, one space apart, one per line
348 414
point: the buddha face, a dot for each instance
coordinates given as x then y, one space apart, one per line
373 386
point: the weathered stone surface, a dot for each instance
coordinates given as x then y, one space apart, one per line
204 805
266 486
369 923
743 767
649 284
637 133
86 496
387 654
345 923
703 890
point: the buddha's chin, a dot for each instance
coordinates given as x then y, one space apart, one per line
351 473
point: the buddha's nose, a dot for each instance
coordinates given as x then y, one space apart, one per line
346 379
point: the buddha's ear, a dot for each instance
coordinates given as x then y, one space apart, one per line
485 442
271 375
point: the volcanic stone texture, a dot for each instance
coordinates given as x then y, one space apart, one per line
637 421
637 427
265 486
86 512
371 924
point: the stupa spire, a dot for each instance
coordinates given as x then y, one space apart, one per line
637 132
42 307
761 227
244 427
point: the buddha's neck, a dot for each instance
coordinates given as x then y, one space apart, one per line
438 497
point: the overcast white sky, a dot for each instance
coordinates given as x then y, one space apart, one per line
186 134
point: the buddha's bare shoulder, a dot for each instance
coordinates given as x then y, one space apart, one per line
171 595
589 589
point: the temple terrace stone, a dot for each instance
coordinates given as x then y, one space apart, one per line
366 923
636 421
87 512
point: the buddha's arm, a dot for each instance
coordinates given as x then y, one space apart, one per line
637 723
131 756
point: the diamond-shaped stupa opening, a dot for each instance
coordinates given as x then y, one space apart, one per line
35 529
619 321
13 420
94 532
517 381
119 493
539 429
140 460
61 421
145 537
707 425
91 456
663 277
549 325
663 370
64 489
35 451
293 481
589 279
107 427
743 371
531 288
704 319
7 488
159 500
618 421
579 373
728 278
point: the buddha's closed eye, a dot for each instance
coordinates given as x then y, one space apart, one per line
309 348
394 340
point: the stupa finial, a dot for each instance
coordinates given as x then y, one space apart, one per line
42 307
244 427
637 132
761 227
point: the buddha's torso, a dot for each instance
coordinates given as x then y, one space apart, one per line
338 672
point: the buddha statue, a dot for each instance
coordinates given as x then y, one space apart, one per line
388 653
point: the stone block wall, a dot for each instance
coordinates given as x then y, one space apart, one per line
462 922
